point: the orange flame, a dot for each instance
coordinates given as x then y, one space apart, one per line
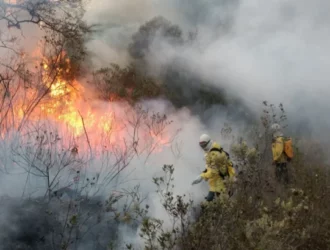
64 103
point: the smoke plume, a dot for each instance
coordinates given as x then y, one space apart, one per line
250 50
256 51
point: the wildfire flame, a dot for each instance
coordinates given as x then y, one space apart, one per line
67 106
66 98
61 98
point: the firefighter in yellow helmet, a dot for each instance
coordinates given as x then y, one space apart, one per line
217 166
280 159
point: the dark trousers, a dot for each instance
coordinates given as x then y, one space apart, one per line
281 172
211 196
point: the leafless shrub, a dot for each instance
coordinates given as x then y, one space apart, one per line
22 84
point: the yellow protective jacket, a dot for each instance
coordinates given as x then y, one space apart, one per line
217 159
216 163
278 150
214 179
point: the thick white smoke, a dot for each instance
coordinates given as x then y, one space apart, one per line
269 50
184 154
274 50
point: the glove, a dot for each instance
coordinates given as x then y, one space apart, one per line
197 180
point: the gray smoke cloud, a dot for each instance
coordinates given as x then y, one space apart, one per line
274 51
31 226
255 50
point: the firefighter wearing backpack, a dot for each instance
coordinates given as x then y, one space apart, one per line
219 168
282 153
